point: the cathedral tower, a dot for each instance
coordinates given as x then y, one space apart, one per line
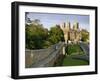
65 28
76 26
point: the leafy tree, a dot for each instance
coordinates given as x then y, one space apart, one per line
38 37
55 35
27 19
35 36
85 35
37 21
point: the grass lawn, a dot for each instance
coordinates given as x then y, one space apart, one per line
68 61
73 49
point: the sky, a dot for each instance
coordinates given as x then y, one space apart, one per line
51 19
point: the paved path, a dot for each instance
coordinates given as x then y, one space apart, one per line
50 59
85 48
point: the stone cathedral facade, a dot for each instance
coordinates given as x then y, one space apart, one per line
71 33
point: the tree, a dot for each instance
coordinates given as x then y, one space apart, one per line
55 35
27 19
38 37
85 35
37 21
35 36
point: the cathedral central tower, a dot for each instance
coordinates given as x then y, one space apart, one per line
65 28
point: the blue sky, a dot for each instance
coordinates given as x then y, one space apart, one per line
50 19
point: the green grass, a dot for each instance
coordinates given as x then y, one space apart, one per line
68 61
73 49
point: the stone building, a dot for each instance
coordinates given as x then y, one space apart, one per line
71 34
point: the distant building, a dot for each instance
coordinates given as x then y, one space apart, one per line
71 34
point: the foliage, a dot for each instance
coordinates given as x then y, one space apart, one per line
27 19
38 37
35 36
73 49
55 35
85 35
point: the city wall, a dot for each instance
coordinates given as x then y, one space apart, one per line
43 57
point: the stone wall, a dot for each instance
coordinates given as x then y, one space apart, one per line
43 57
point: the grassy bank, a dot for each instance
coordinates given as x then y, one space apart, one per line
69 61
74 49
